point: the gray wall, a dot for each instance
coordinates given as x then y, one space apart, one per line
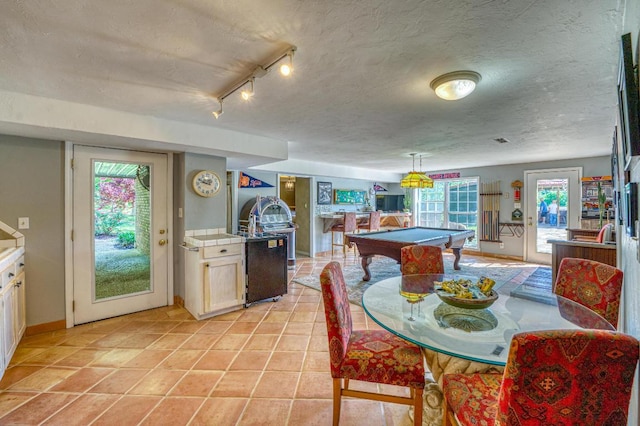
32 185
201 212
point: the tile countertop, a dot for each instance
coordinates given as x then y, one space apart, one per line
213 240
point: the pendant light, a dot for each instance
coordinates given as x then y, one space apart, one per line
416 179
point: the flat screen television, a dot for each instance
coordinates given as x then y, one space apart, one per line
390 203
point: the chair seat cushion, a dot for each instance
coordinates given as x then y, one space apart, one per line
379 356
473 397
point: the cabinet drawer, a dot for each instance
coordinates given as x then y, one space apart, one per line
8 274
19 265
222 250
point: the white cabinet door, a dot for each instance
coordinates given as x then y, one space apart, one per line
20 308
8 331
223 283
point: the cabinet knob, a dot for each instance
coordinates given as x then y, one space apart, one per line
11 274
162 242
19 283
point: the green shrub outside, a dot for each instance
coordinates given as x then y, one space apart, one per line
126 240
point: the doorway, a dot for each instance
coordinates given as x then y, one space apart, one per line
120 232
296 192
553 205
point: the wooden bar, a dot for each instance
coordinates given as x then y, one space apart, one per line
605 253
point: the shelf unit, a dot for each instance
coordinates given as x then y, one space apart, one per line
490 198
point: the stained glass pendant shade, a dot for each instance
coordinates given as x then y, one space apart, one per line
415 179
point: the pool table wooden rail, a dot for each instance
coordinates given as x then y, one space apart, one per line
389 243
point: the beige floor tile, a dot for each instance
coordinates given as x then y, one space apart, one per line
139 340
188 327
215 327
236 384
169 341
293 343
266 412
216 360
17 373
119 382
82 411
82 339
197 383
261 342
43 379
277 384
317 361
312 412
23 353
116 358
177 411
299 328
148 358
220 411
129 410
182 359
242 328
82 380
315 385
53 355
10 400
82 357
37 409
157 382
286 361
231 342
250 360
270 328
200 341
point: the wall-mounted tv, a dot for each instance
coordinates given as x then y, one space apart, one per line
628 103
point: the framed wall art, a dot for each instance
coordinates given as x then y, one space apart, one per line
324 192
628 104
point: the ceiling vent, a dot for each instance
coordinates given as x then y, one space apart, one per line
501 140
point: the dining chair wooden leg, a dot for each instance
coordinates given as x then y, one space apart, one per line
337 394
417 403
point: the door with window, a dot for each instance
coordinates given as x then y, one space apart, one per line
120 232
451 203
552 205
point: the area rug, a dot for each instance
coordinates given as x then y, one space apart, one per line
383 267
536 287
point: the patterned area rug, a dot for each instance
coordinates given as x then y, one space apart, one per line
536 287
382 267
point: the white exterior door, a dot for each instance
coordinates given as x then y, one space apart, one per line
120 232
560 187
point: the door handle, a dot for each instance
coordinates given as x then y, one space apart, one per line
163 242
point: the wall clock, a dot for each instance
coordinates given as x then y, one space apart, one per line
206 183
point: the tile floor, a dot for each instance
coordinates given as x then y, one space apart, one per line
265 365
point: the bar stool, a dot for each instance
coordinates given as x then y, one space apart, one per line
348 226
373 224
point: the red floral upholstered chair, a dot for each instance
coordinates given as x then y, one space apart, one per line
418 259
557 377
593 284
368 355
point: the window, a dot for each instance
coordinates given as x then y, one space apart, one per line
451 203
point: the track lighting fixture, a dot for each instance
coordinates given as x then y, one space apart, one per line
218 113
247 92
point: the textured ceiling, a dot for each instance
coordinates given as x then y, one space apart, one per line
360 92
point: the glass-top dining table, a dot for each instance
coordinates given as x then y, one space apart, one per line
459 340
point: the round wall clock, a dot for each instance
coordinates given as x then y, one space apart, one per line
206 183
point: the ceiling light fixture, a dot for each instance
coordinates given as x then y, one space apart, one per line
416 179
455 85
290 184
287 68
246 94
218 113
259 71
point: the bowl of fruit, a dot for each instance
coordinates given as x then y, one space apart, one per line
467 294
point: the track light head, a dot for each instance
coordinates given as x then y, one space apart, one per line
218 113
287 68
247 93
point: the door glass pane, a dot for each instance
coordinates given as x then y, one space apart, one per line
553 196
122 226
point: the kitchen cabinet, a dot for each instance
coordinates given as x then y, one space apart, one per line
12 303
215 277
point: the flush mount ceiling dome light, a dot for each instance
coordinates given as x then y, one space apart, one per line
455 85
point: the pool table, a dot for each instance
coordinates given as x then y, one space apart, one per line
389 243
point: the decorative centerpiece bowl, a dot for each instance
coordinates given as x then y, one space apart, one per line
465 303
464 293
